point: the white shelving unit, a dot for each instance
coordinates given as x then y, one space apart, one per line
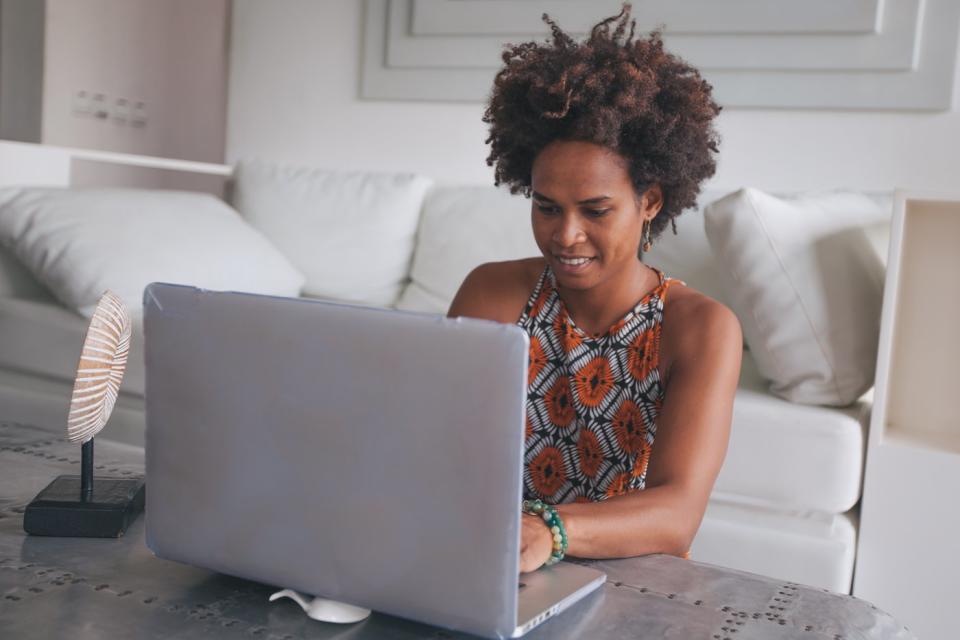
908 555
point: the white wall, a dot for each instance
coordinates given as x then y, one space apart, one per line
21 69
294 76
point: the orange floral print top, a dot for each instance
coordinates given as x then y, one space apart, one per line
592 400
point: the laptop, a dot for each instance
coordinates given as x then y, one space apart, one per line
368 456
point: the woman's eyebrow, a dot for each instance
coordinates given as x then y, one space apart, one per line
540 196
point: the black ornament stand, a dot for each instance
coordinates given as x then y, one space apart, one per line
78 507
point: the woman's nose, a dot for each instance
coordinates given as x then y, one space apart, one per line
568 231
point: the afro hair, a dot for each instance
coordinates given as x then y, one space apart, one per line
630 96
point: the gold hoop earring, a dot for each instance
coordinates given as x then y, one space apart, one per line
647 241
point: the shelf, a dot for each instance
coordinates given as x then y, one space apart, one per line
923 374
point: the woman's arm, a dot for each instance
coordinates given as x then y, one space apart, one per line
705 345
496 291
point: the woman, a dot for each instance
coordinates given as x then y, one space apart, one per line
632 374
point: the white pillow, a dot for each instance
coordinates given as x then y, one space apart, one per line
80 242
351 233
461 228
806 281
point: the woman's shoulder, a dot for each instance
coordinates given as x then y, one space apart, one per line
497 290
694 322
525 270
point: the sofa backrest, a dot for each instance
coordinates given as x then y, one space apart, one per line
16 281
462 227
351 233
686 255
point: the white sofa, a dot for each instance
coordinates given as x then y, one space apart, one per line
785 503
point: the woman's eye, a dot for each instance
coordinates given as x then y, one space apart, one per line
593 213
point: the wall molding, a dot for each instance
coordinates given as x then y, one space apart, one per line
819 54
522 17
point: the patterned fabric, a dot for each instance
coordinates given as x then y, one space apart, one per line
592 401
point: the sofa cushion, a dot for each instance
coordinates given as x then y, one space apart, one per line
461 228
806 548
41 337
789 456
351 233
807 284
80 242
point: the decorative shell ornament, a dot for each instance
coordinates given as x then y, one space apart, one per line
103 360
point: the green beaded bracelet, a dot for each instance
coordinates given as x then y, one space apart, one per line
552 518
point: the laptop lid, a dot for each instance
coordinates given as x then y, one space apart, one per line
368 456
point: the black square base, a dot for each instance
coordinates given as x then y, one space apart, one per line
59 511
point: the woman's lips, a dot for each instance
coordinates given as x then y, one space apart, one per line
572 264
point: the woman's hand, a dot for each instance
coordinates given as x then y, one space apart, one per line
536 543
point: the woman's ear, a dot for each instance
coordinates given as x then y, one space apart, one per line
652 202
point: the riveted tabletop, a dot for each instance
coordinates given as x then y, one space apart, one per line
87 588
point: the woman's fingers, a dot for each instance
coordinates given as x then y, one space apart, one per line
535 543
528 562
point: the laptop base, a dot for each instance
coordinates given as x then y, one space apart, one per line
550 590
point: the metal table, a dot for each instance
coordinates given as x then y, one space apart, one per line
115 588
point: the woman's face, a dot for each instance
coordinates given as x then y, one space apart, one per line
587 218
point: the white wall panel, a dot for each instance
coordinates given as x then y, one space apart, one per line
857 54
893 49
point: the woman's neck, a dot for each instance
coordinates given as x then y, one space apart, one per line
598 308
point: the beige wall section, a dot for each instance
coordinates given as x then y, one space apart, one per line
21 69
294 81
922 370
171 54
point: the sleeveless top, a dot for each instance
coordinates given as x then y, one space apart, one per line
592 400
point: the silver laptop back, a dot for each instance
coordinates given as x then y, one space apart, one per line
279 440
